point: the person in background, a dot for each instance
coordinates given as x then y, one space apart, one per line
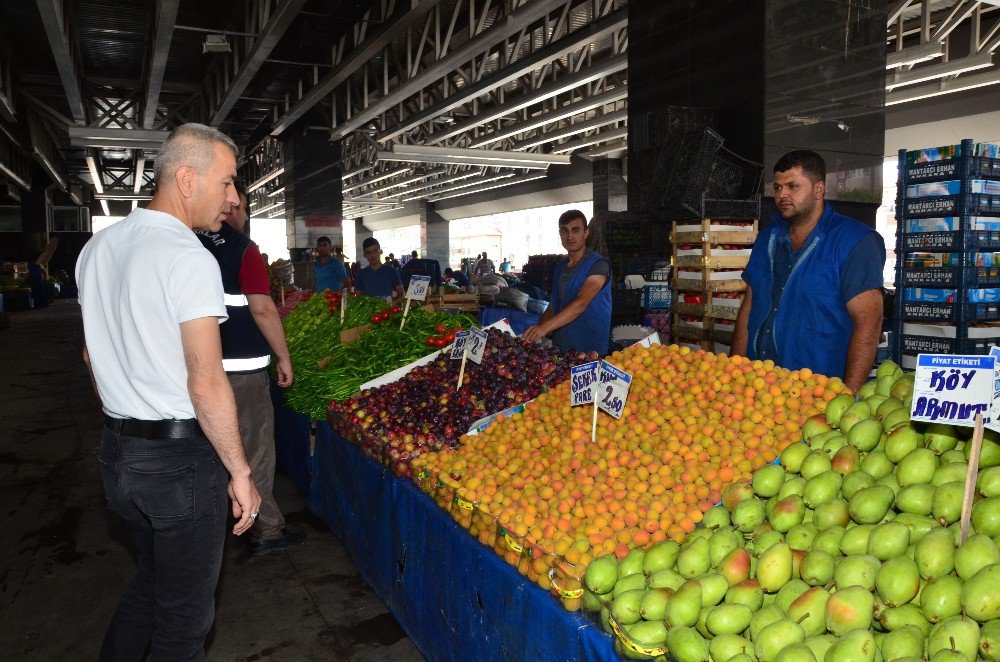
579 315
338 252
484 266
377 279
459 278
152 300
392 261
505 267
467 266
329 272
355 269
814 282
251 333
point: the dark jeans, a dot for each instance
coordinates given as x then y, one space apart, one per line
172 495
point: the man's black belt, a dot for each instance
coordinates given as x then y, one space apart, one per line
187 428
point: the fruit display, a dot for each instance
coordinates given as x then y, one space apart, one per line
549 500
292 299
327 370
849 549
424 410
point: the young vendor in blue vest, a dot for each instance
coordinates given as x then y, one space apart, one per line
579 313
378 279
814 282
252 331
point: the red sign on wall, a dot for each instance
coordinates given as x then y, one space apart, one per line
323 221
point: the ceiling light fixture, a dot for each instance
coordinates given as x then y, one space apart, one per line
94 174
959 84
216 43
457 187
377 178
939 70
520 179
464 156
588 141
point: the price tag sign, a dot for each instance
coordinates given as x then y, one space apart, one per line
612 389
953 389
477 345
418 287
582 379
459 347
993 421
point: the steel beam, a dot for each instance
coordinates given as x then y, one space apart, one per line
519 19
940 70
523 67
166 16
263 44
54 21
572 130
507 181
914 54
128 138
959 84
589 141
391 28
122 194
477 157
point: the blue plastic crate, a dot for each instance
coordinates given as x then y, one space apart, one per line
950 205
657 297
949 277
917 311
977 167
917 344
952 242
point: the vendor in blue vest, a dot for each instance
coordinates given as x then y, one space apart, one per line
378 279
814 282
329 271
579 313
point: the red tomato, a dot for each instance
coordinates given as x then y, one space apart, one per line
449 337
441 328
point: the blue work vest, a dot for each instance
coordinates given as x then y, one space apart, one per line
812 327
591 331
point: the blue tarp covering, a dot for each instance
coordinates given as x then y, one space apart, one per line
291 440
519 320
456 598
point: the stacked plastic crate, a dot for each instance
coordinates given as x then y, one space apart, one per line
948 251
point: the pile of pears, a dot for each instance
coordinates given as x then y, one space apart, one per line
846 551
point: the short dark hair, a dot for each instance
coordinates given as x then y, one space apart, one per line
369 242
413 253
571 215
812 164
448 271
323 240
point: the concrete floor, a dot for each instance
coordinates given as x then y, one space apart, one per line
65 558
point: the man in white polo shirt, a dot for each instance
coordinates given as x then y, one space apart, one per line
152 303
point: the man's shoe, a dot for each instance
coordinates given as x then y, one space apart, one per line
288 540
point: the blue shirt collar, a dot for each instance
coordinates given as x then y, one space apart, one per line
820 229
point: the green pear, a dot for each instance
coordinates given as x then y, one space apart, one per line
829 539
988 482
792 485
956 456
694 559
888 368
883 385
867 389
775 637
729 619
767 480
855 540
977 552
854 646
822 488
834 444
941 437
630 583
897 581
686 645
748 515
907 641
734 493
902 390
605 618
875 400
654 604
919 525
986 516
856 570
815 425
900 418
941 598
894 618
953 472
858 411
647 634
887 407
857 480
989 641
728 646
665 578
788 512
735 566
663 555
815 463
989 456
890 482
817 568
602 574
788 594
809 611
716 517
713 588
876 464
869 506
762 618
819 441
946 507
916 499
831 513
820 645
631 564
774 567
849 609
747 593
864 435
837 407
592 601
762 541
698 533
796 653
956 634
802 536
626 608
722 542
888 539
981 594
917 466
684 606
846 460
935 554
902 441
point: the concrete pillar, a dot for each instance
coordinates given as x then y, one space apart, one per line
434 241
313 200
360 234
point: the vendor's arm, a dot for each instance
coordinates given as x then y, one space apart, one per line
570 312
741 328
265 315
865 310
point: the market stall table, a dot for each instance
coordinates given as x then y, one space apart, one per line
455 598
291 440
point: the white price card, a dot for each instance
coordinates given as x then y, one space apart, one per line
459 346
582 379
993 421
477 345
418 287
953 389
612 389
